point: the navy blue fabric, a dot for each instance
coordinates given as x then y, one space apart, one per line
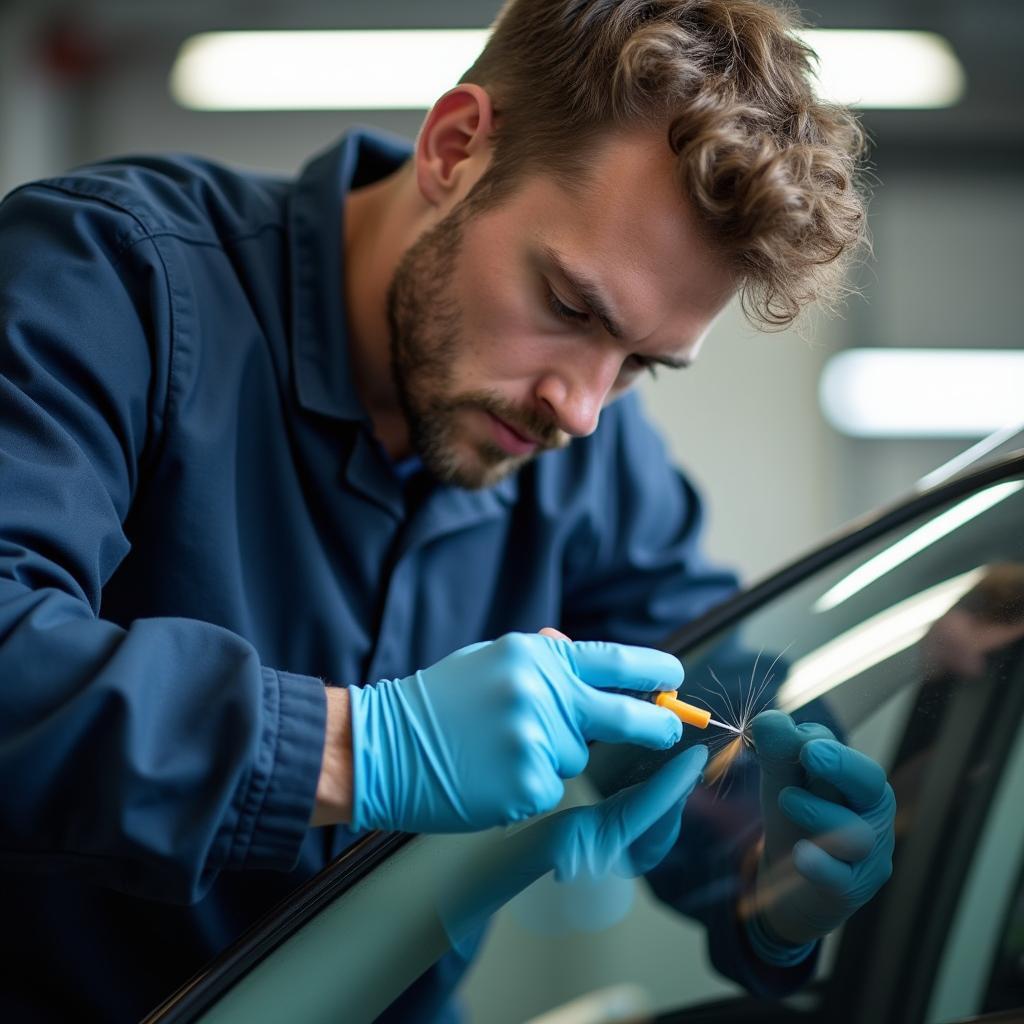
198 528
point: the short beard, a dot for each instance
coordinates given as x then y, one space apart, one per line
426 342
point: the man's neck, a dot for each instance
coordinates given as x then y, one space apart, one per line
376 222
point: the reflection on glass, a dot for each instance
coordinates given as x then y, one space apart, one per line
921 669
625 835
871 642
913 543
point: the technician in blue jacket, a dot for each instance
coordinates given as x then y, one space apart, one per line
264 441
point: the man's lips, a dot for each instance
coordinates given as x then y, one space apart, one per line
511 440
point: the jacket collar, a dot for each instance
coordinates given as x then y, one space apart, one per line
319 353
320 363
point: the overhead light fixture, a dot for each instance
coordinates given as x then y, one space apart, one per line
915 542
887 69
870 642
411 68
338 70
901 392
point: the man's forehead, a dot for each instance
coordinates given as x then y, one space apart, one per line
630 219
627 189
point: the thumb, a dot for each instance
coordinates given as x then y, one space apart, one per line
632 811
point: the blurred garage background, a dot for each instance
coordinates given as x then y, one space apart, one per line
780 468
80 81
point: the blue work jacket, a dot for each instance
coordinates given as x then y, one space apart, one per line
198 529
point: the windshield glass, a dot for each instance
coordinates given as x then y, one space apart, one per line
909 649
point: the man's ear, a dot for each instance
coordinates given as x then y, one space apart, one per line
454 142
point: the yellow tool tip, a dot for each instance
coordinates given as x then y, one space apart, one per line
687 713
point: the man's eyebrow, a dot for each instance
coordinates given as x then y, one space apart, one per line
588 292
592 298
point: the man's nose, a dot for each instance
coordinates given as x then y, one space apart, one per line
575 395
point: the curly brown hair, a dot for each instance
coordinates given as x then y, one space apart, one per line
773 171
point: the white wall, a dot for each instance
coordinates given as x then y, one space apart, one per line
744 422
36 127
947 274
745 419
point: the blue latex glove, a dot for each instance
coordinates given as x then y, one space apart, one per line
828 835
485 736
626 834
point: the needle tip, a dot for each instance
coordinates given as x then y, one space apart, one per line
724 725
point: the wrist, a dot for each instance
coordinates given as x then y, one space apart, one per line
765 942
773 949
334 786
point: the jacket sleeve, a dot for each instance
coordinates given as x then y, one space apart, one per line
145 759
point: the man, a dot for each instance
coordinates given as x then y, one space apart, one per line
259 434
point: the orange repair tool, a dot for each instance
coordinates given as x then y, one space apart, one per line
689 714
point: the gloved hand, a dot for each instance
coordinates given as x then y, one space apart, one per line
828 835
485 736
627 834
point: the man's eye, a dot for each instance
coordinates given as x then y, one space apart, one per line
635 364
564 312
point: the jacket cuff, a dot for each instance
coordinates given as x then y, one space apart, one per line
281 794
775 951
767 968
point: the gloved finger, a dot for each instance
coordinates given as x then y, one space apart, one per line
821 868
808 731
469 649
779 740
536 785
624 667
650 848
836 829
776 741
619 718
635 809
595 839
860 779
776 746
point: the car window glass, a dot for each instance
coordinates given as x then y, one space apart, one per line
900 648
1006 983
985 931
909 649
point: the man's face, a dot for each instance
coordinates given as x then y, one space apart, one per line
513 326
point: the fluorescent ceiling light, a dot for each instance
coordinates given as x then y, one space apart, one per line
358 70
915 542
871 642
894 392
411 68
886 69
